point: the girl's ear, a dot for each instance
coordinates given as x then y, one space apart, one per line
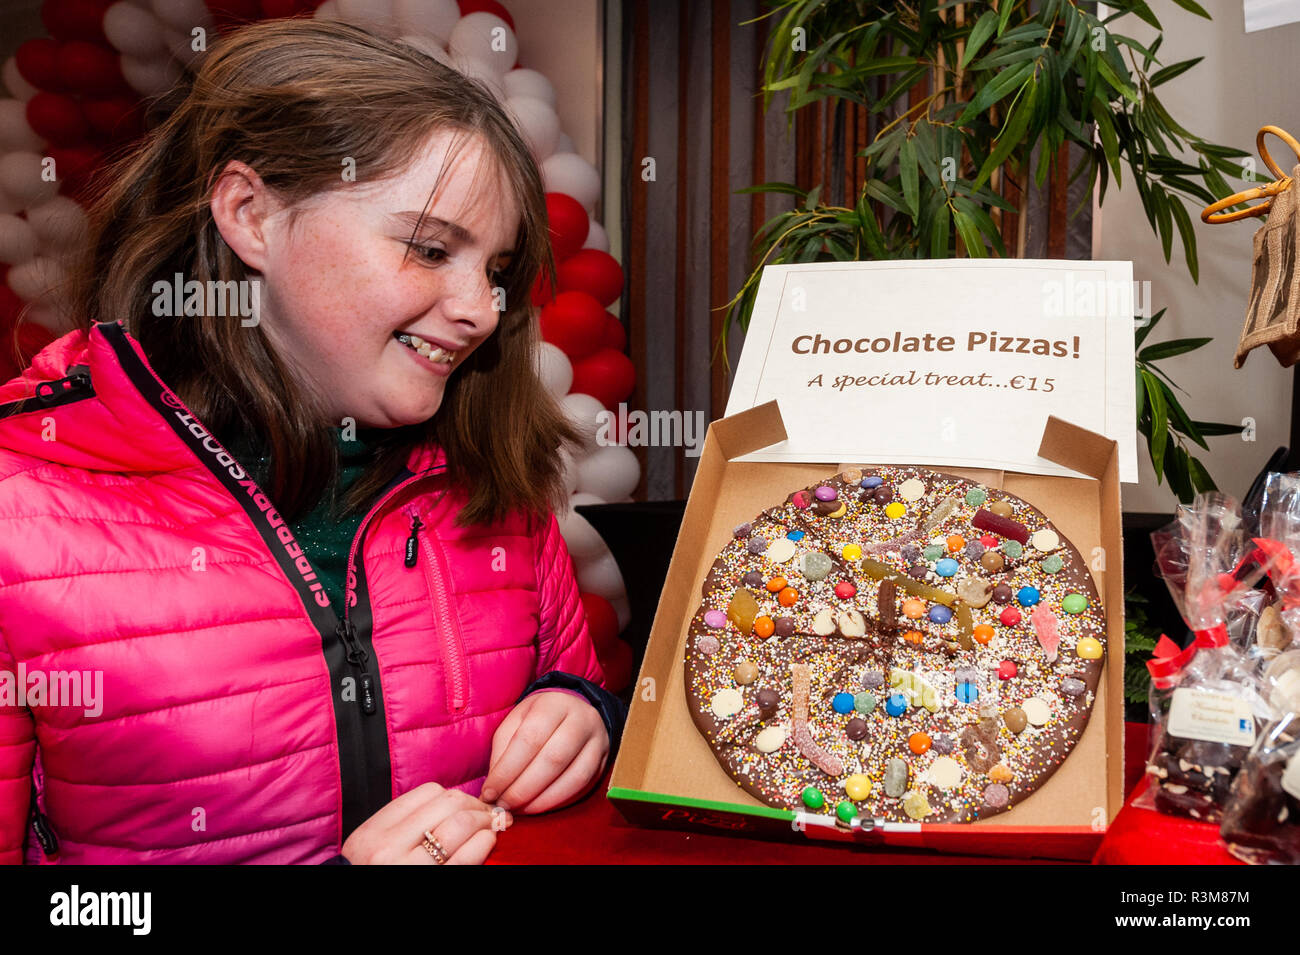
241 205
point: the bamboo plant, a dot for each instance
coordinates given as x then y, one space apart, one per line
968 98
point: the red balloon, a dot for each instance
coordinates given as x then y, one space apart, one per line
117 117
608 376
276 9
73 166
615 336
573 322
617 664
486 6
10 303
75 19
89 68
38 63
57 119
602 621
542 291
592 271
229 13
568 224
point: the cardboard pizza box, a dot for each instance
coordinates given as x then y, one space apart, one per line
667 776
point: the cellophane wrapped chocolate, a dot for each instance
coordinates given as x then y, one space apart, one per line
1261 821
1207 708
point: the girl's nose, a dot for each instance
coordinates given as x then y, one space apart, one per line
475 300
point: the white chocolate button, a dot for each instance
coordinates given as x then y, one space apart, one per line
770 739
911 490
780 550
945 772
1045 540
824 622
727 703
1036 711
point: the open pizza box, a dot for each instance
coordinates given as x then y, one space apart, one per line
666 775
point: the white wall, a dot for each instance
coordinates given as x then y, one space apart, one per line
1244 82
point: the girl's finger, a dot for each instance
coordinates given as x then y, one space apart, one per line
431 812
585 767
476 850
546 766
533 734
457 829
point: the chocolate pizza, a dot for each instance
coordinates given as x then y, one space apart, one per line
895 643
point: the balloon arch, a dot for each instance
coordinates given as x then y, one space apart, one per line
80 92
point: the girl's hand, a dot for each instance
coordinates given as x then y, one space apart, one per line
464 826
547 751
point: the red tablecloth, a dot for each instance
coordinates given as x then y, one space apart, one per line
592 831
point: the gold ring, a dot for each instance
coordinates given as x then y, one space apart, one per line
434 848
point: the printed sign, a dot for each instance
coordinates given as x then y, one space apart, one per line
1214 717
955 362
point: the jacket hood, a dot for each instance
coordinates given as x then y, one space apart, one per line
124 419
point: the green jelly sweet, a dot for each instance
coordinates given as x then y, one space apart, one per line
845 811
813 798
1074 603
1052 564
933 552
976 496
864 702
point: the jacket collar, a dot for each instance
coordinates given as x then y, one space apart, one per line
121 427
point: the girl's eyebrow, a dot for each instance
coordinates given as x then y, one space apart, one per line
459 233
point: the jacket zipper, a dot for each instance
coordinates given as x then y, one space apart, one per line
75 386
435 575
41 823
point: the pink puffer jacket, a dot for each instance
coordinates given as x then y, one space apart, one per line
237 718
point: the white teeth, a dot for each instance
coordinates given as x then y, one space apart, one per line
438 355
426 349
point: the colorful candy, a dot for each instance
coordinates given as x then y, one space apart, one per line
842 703
1045 626
1028 596
1074 603
919 743
1089 649
1009 617
989 520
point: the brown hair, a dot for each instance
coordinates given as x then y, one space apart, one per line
289 98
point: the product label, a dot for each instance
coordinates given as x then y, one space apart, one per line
1213 717
1291 775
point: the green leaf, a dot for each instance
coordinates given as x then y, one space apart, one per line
1201 480
1176 470
1145 330
1141 393
1214 429
1100 111
1163 221
939 237
878 190
1110 76
1168 349
970 235
1179 417
1159 422
1004 13
1012 135
907 171
1174 69
984 28
1188 237
1193 7
996 89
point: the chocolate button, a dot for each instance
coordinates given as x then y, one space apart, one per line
883 495
992 561
784 626
1001 593
1015 719
856 729
768 700
753 579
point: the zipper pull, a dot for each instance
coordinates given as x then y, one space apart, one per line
412 545
77 382
357 657
41 823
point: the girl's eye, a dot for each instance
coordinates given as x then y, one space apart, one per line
430 253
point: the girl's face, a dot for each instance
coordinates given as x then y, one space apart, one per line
378 331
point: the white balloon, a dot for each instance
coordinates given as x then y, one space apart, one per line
329 10
37 280
597 237
429 18
374 15
134 31
181 46
600 575
183 15
555 369
480 71
521 82
537 123
569 172
14 82
150 77
20 176
580 537
623 611
565 144
52 320
485 36
584 411
15 132
610 472
17 240
429 48
582 498
59 223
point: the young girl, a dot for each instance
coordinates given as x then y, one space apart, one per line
282 584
